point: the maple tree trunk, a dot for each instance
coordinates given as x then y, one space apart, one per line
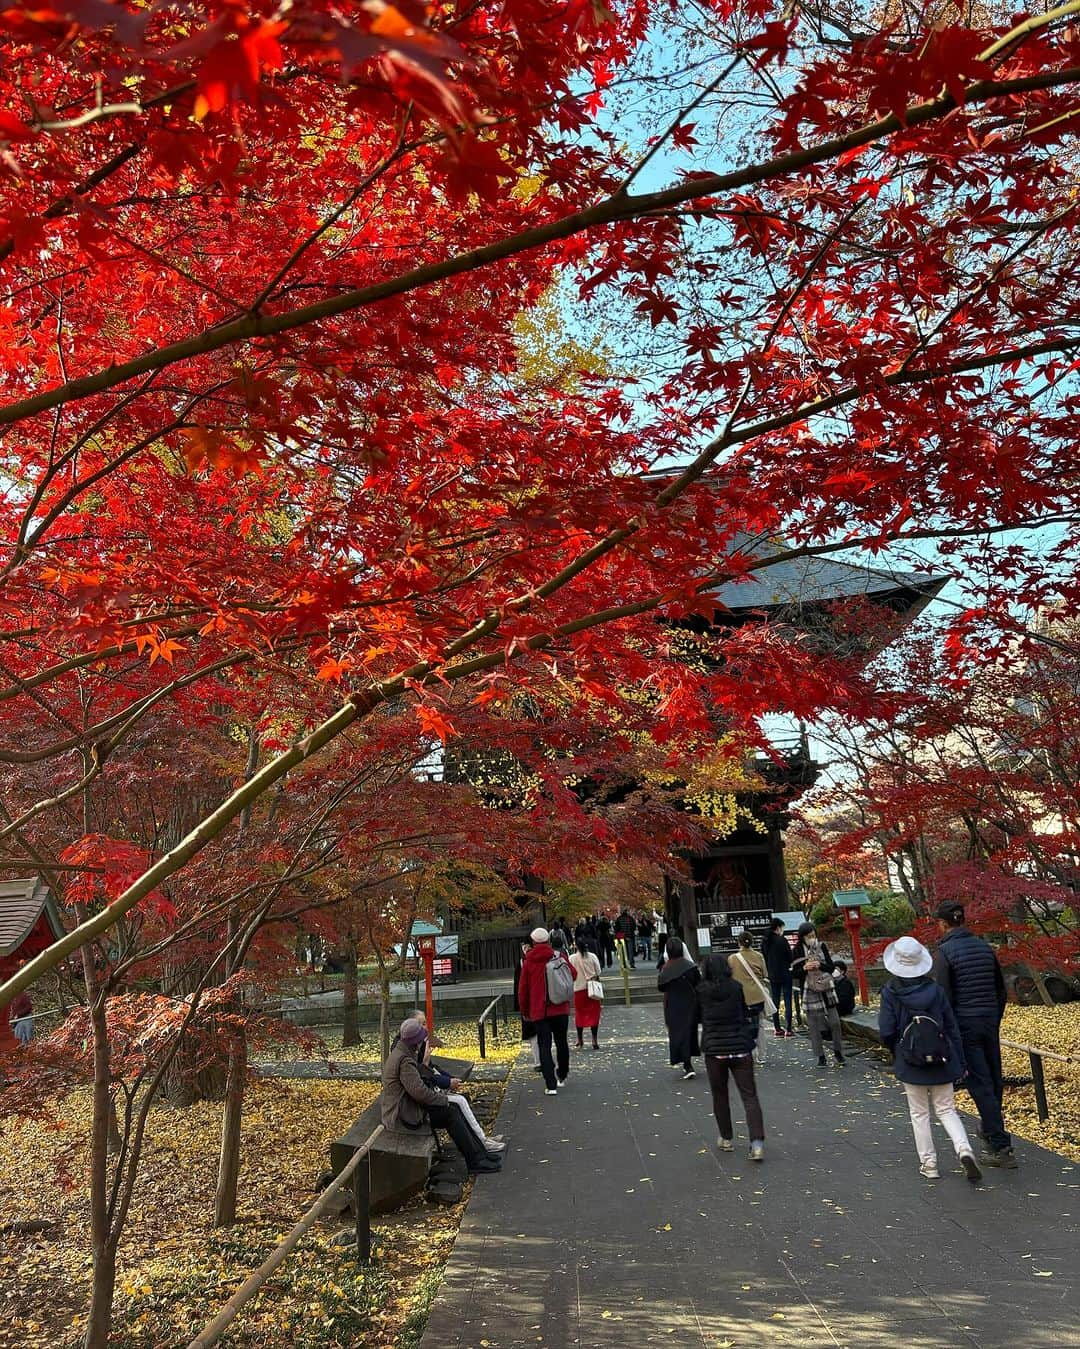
102 1244
113 1124
350 1032
229 1160
384 1015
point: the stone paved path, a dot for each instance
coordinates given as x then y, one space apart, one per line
616 1221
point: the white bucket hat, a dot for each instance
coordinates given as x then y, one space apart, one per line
908 958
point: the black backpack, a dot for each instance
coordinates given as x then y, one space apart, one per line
923 1043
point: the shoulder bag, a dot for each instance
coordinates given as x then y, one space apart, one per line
770 1006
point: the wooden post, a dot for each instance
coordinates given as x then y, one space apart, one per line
1039 1083
428 948
620 947
483 1038
362 1208
853 922
247 1290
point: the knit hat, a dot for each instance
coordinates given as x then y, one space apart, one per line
412 1033
907 958
539 934
805 929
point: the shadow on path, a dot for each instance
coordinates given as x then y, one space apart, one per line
616 1221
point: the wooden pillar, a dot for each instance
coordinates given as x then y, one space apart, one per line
688 918
777 871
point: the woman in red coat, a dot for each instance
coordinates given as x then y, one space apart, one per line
586 1009
551 1018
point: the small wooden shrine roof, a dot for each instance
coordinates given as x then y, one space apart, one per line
22 902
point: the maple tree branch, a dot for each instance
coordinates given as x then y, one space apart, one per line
609 211
365 700
101 752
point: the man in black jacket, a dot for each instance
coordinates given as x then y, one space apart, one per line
626 928
777 955
967 969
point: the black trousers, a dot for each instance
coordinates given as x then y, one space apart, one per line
982 1050
450 1118
742 1070
553 1028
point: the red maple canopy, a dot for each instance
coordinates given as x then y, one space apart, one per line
271 434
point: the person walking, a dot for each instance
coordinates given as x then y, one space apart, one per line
917 1025
678 981
819 993
967 969
545 991
646 927
626 928
728 1034
606 940
778 955
587 1008
748 970
528 1028
407 1102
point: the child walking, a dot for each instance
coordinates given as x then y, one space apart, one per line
918 1026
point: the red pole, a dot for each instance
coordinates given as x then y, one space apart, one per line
429 979
853 921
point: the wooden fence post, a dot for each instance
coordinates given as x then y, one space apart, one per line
1039 1083
362 1207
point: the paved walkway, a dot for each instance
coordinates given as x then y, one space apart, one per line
617 1222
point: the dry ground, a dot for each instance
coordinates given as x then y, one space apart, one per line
176 1270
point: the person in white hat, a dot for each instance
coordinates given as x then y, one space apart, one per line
545 993
918 1026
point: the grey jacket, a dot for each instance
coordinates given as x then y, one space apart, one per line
405 1095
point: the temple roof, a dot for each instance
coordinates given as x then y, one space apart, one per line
801 581
22 902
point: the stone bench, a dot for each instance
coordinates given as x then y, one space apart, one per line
400 1159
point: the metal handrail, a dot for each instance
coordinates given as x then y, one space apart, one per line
247 1290
481 1033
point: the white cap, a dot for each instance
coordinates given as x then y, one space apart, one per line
539 934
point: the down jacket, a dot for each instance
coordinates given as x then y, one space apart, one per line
727 1028
967 969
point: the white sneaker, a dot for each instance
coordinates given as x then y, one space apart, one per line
551 1091
725 1144
688 1075
930 1172
757 1150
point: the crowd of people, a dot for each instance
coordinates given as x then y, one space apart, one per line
940 1015
602 935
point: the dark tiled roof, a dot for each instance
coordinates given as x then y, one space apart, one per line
800 581
22 903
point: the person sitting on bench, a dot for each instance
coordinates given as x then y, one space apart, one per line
435 1077
408 1102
